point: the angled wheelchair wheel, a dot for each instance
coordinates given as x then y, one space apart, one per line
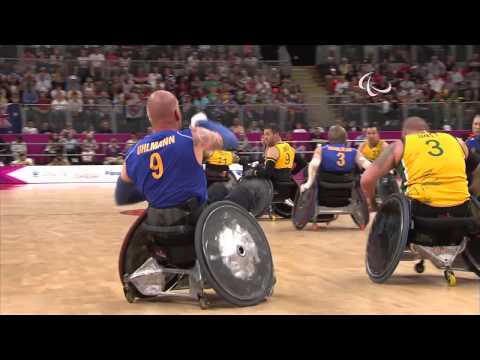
263 192
132 254
304 207
360 215
388 238
234 254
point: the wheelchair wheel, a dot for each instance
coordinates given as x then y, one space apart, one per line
263 190
387 186
304 207
388 238
234 254
471 255
360 215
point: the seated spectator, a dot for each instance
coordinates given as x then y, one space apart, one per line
44 80
105 127
59 159
23 160
83 65
5 158
54 145
134 112
72 148
238 128
113 155
130 142
299 128
89 147
17 147
58 90
58 80
436 84
30 95
253 128
73 85
45 128
68 130
29 128
59 112
97 61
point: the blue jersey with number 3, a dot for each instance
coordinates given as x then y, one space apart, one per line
338 158
163 167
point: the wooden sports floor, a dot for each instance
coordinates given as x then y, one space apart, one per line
59 247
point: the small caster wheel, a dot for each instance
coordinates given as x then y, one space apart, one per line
316 227
204 303
451 279
419 267
129 294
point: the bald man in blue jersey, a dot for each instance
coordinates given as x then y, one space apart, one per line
166 167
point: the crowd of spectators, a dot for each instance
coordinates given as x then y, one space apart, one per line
411 82
87 87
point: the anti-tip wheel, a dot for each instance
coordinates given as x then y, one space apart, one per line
419 267
203 302
450 277
129 295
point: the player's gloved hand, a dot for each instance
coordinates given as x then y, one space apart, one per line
304 187
230 141
254 164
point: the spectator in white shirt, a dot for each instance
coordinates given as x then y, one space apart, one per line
23 160
97 61
44 80
29 128
59 109
89 146
17 147
436 84
56 91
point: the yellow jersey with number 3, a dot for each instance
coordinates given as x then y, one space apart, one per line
371 153
220 157
287 155
434 169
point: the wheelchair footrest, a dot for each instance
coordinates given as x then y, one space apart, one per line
441 256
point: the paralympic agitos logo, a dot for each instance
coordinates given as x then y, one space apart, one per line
369 87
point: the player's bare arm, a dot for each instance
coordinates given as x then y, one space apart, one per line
387 161
313 168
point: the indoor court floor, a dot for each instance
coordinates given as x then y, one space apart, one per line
59 247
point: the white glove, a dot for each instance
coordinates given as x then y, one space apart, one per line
255 164
304 187
197 117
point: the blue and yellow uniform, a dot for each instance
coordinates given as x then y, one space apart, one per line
164 168
338 159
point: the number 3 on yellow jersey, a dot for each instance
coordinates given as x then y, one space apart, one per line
156 164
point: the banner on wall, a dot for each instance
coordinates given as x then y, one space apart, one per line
21 174
59 174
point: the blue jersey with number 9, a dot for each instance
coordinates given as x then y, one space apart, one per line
338 158
163 167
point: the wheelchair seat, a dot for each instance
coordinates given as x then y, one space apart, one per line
335 190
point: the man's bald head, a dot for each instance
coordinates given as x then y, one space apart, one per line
414 125
163 111
337 135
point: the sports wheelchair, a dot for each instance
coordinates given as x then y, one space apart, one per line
330 196
181 252
399 233
273 200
